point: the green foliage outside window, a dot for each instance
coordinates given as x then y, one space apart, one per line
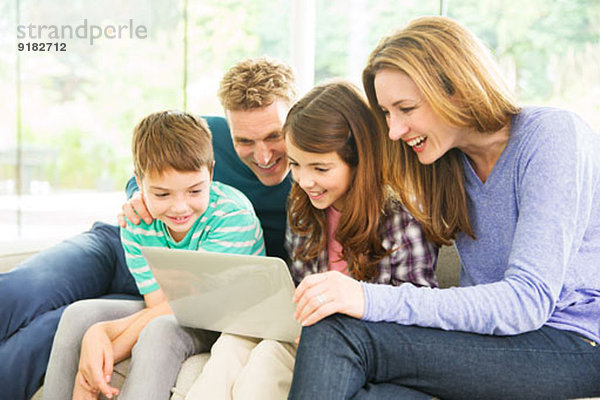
83 104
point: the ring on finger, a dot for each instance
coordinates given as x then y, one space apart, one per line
321 299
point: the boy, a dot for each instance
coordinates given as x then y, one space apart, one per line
92 264
173 162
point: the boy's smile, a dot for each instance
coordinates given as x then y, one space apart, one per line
177 198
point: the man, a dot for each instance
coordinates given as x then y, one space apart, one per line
256 95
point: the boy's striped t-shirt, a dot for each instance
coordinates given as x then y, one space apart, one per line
229 225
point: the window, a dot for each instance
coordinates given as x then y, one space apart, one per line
66 117
75 109
549 50
348 31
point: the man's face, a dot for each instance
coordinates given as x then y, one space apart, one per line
258 140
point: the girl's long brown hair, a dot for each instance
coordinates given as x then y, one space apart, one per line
457 77
335 117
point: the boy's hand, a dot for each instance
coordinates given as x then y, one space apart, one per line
96 361
82 390
134 209
321 295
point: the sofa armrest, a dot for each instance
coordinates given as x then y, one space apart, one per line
448 267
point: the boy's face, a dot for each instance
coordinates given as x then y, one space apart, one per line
177 198
258 141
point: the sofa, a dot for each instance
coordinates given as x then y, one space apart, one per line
10 255
13 253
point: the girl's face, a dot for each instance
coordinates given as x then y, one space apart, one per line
411 119
324 177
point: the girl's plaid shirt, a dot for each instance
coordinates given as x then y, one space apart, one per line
413 260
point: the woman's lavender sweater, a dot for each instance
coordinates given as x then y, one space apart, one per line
536 257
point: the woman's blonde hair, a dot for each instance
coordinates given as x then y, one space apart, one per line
335 117
458 78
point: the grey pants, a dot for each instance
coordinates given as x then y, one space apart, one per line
156 358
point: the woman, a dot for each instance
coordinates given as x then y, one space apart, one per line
518 190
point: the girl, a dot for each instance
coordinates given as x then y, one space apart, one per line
342 221
518 190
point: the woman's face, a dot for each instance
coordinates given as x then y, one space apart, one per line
411 119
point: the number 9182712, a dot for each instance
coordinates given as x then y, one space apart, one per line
44 46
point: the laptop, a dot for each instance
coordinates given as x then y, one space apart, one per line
239 294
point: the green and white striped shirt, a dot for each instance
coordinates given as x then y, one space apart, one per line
229 225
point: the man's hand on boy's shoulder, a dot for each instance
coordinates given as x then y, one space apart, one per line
135 210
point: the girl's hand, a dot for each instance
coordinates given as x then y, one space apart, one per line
320 295
96 361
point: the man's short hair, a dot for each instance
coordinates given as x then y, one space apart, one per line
257 83
171 139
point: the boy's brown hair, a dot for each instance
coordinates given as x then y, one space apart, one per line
171 139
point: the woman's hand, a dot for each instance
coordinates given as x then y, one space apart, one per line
321 295
134 209
96 361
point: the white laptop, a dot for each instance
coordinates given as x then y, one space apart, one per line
240 294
